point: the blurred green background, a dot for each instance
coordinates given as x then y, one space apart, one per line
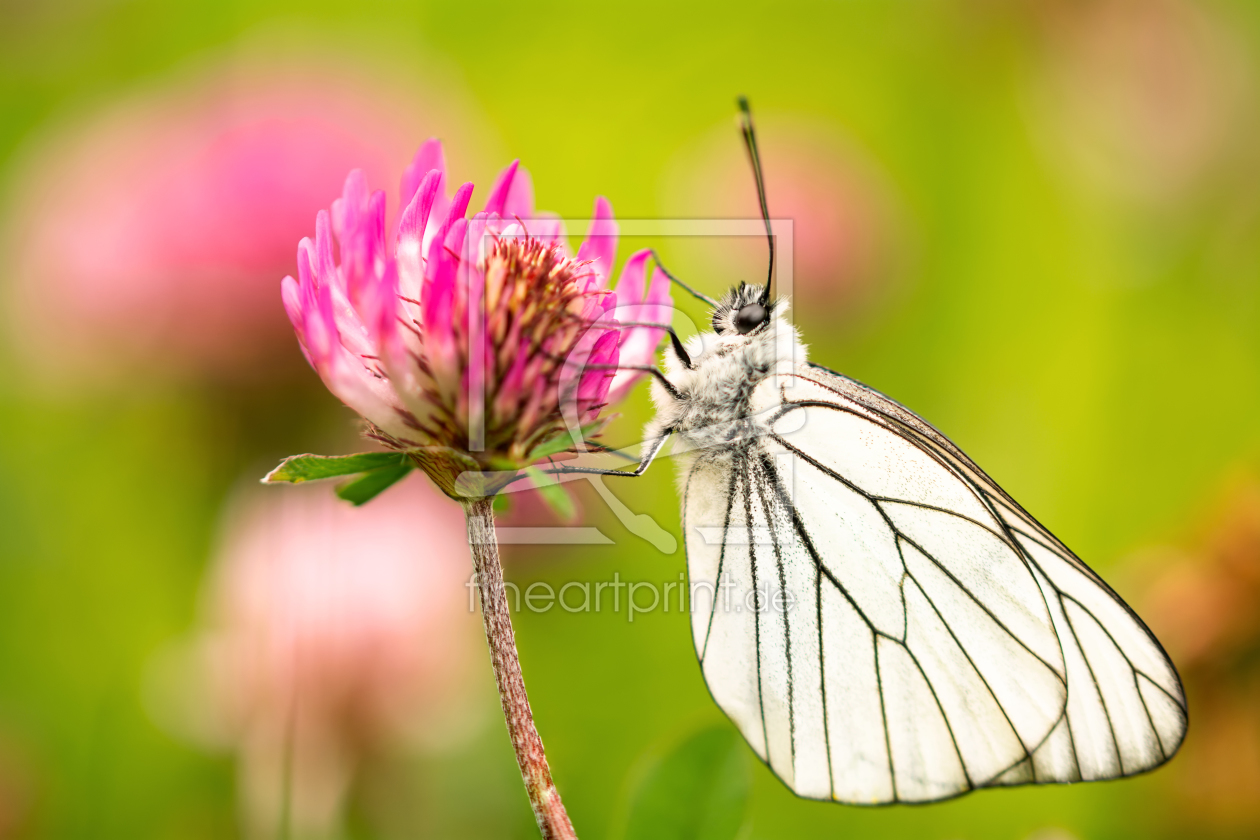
1056 211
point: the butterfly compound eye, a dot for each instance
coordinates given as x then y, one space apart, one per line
749 317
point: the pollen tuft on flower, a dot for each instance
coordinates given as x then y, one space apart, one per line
542 318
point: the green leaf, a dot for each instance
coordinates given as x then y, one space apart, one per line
564 441
553 493
298 468
366 487
696 791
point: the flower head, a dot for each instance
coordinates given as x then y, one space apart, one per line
469 342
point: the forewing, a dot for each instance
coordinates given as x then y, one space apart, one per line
1125 710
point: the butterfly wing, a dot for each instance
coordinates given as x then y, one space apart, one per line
883 623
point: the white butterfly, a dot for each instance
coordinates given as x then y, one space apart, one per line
878 617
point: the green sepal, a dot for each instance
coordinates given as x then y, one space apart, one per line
368 486
299 468
553 493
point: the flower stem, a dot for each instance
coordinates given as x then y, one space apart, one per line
553 822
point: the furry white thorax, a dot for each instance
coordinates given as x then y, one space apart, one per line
720 402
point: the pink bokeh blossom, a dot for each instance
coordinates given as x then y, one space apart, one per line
333 633
1139 100
149 235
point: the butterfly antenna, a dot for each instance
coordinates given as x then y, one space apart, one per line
750 142
698 295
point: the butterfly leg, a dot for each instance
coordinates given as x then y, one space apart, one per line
645 459
655 371
674 340
608 450
641 524
647 454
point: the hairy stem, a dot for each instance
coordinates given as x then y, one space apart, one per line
553 822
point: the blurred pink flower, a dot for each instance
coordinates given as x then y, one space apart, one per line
333 633
151 233
1139 98
391 325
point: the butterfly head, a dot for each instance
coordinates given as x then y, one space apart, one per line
743 310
